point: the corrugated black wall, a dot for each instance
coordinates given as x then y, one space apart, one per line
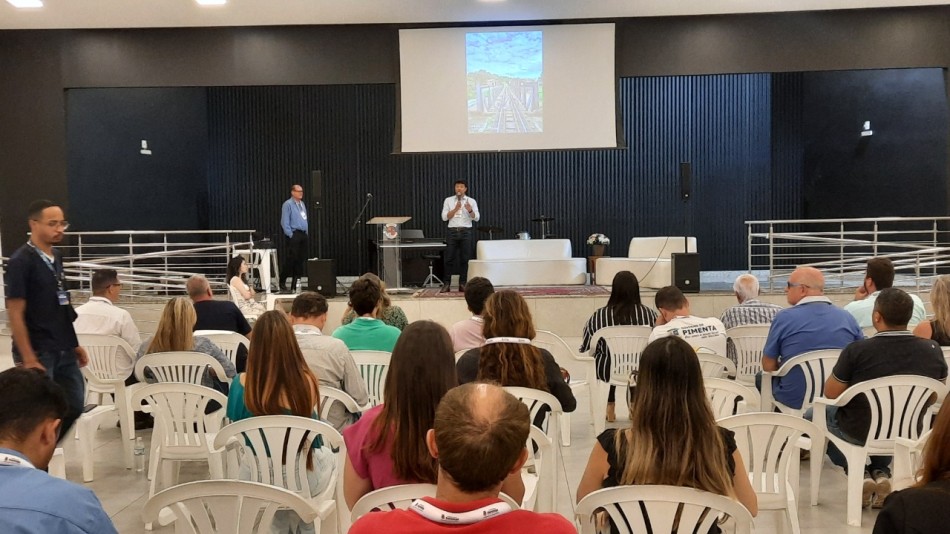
263 139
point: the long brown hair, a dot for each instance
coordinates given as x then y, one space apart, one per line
173 332
936 457
278 379
510 364
673 438
940 302
421 371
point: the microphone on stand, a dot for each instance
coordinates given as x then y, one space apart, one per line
369 196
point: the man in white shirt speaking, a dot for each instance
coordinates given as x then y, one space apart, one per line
460 211
101 316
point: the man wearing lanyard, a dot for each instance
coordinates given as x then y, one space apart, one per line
40 311
293 221
30 499
460 211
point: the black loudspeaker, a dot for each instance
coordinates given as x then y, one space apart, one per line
686 271
316 187
686 179
321 277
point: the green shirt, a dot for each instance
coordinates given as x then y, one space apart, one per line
368 334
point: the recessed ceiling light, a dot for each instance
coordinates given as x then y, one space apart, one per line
212 2
26 3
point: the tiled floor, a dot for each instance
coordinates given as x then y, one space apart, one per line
123 492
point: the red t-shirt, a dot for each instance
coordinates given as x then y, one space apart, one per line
514 522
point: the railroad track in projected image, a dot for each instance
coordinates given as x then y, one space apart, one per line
510 114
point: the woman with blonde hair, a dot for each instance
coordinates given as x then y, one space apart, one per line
278 381
508 357
938 328
389 314
174 334
673 438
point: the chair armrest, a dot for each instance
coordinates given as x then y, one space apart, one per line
767 401
819 411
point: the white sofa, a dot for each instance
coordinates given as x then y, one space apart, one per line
649 258
528 262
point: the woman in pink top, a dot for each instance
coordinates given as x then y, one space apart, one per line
386 447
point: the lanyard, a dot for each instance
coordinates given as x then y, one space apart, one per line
518 340
14 461
49 264
434 513
478 319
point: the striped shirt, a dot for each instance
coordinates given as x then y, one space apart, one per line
603 318
752 311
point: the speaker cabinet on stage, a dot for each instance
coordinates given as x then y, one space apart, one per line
321 277
686 271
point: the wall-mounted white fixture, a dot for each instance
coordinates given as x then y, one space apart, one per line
867 131
26 4
145 150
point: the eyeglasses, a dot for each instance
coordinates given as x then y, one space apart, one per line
298 190
54 224
790 285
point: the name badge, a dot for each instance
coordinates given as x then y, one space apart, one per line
63 297
303 215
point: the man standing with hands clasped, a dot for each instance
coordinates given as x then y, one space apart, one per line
41 313
460 211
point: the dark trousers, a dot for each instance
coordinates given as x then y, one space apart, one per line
458 250
63 368
294 260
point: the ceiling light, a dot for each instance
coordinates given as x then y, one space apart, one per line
212 2
26 3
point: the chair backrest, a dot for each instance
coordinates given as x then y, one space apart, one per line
748 340
181 366
539 486
104 352
373 366
899 407
715 365
179 411
275 448
816 367
660 510
460 353
329 395
625 344
538 401
232 506
391 498
946 354
767 444
564 355
869 331
728 397
227 342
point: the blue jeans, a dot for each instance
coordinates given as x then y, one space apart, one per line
63 368
877 463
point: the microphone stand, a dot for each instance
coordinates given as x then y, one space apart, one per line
359 248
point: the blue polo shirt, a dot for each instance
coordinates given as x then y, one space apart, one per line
31 278
812 324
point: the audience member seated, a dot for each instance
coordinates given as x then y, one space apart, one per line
623 308
389 314
676 320
386 447
218 315
478 440
673 438
241 293
101 316
279 382
174 333
330 360
938 328
924 507
367 332
892 351
467 333
879 276
812 323
30 499
749 311
508 357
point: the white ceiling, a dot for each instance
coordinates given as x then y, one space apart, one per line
186 13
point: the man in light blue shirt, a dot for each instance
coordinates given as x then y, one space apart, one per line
30 499
879 275
293 221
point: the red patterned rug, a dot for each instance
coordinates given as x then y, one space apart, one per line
527 291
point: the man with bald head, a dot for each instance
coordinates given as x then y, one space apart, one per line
812 323
479 440
293 222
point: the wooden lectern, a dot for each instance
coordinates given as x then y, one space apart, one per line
388 251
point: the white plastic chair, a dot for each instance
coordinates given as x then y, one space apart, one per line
182 430
869 331
769 444
57 464
391 498
577 365
660 510
625 344
724 395
460 353
373 366
537 401
539 486
226 341
714 365
946 354
181 366
219 506
908 457
748 340
815 366
275 448
105 376
329 395
897 404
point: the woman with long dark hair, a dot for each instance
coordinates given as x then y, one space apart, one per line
673 438
241 293
624 308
